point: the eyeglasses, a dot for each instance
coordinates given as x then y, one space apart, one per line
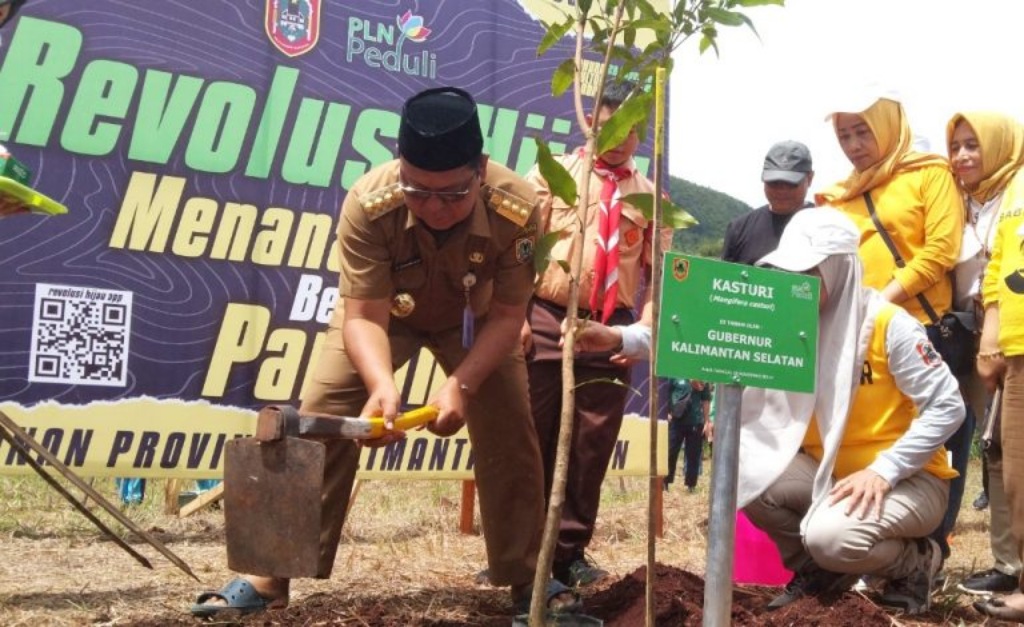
449 197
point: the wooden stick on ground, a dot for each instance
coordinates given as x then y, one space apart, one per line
204 500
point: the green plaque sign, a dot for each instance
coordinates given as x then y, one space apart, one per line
732 323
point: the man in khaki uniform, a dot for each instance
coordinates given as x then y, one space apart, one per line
436 252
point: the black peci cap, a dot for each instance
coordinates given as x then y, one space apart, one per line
440 130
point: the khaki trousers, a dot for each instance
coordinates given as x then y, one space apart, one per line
1004 546
506 456
845 544
1012 441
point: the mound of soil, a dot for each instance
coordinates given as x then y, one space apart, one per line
679 598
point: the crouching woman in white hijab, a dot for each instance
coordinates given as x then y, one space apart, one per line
851 480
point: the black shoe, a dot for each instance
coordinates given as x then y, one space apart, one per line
988 581
812 581
578 572
913 593
981 502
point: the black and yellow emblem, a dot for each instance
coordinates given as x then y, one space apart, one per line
680 269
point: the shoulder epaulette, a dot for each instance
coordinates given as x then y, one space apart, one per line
508 205
381 201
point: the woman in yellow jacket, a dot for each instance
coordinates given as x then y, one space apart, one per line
913 198
1001 359
986 150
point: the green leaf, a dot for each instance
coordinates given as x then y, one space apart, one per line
723 16
759 3
561 80
598 35
647 10
555 32
561 183
633 112
542 252
672 215
629 36
657 25
606 381
584 6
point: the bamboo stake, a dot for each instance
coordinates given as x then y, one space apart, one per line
654 486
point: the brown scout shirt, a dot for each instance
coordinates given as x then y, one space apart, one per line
634 250
386 251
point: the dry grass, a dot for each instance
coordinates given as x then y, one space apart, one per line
401 540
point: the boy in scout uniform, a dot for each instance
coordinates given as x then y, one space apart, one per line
617 245
436 252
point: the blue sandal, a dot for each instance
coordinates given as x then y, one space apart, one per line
241 598
552 590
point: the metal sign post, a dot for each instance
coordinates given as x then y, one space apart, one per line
722 520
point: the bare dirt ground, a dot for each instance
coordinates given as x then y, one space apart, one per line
403 562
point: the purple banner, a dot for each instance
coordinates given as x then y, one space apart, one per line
203 151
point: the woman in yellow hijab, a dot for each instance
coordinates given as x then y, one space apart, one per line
913 197
987 154
986 151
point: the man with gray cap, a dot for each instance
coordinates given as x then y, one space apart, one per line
436 252
787 177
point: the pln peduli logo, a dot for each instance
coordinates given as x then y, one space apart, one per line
680 269
293 26
382 45
802 291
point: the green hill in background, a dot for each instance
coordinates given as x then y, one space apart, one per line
713 210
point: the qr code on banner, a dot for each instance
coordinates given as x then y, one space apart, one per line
80 335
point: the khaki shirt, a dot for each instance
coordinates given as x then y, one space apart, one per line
635 249
386 251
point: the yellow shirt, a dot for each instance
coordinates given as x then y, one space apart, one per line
1004 275
923 213
880 414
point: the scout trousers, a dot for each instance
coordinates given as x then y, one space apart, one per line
599 405
845 544
507 465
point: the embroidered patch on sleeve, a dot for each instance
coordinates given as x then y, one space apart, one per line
524 249
929 355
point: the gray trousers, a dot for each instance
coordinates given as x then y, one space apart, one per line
845 544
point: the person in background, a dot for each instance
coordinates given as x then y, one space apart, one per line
131 490
618 242
689 423
436 252
1000 363
851 479
787 176
986 150
909 199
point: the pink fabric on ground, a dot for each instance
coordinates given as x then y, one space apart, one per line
756 560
